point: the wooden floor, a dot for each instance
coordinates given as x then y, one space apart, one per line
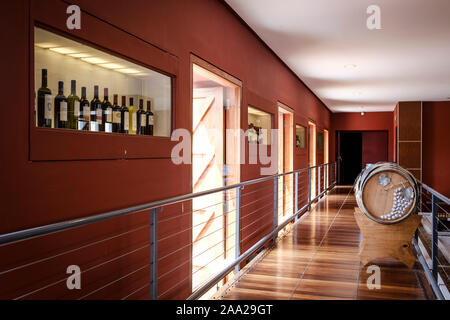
319 259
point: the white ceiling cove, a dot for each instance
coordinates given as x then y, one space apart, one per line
349 67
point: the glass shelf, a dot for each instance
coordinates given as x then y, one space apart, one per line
73 65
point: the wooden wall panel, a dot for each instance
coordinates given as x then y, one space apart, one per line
409 127
409 154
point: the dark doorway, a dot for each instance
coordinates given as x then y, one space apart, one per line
350 152
356 149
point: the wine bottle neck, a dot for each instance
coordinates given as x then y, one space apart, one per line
44 78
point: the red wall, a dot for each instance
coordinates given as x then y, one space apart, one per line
354 121
42 192
374 147
436 146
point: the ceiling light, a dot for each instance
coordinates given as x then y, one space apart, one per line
142 74
94 60
63 50
129 70
350 66
46 45
80 55
362 113
111 66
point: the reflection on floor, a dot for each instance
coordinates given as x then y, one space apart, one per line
319 259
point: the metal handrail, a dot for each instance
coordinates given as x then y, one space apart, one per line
435 193
432 272
208 284
154 207
69 224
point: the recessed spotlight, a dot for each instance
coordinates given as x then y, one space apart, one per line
362 113
350 66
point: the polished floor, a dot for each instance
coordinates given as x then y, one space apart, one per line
319 259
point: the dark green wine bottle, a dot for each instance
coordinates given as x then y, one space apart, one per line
60 114
117 115
73 106
141 119
44 103
150 119
96 112
85 111
125 116
107 112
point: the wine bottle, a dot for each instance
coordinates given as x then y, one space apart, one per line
107 112
150 119
85 111
125 117
117 116
96 112
44 103
141 119
60 114
73 106
133 120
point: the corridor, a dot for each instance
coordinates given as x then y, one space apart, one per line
318 259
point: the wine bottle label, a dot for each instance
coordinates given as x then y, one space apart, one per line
143 121
150 120
86 113
108 126
48 106
108 113
63 111
76 109
126 120
133 122
94 126
99 116
116 116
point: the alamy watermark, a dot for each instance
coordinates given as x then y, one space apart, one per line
374 280
373 21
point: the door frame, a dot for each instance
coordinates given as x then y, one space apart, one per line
224 78
288 157
312 144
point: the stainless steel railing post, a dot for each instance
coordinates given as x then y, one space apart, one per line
153 254
434 237
335 172
318 182
275 206
237 232
296 194
309 189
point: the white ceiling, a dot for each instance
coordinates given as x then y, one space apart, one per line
320 40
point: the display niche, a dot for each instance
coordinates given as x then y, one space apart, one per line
258 120
81 88
300 136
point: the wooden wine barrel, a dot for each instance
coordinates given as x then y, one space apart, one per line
386 192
